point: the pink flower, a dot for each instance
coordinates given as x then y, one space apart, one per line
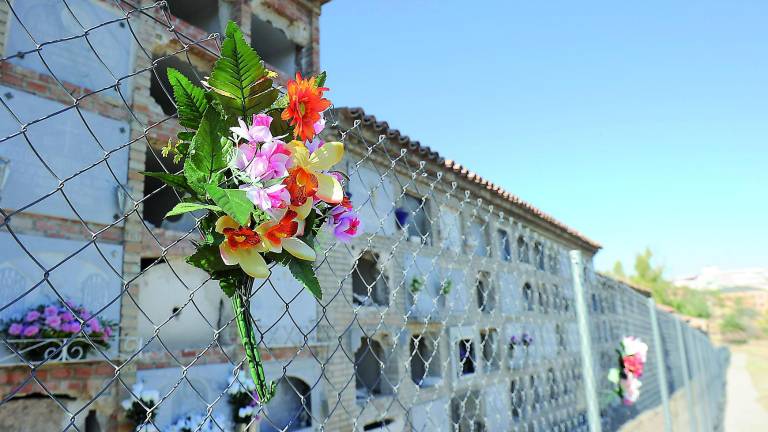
32 316
94 325
265 163
31 331
71 327
107 333
15 329
319 125
630 389
257 133
270 198
54 322
67 316
50 311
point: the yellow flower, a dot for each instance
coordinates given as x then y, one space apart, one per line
242 246
305 177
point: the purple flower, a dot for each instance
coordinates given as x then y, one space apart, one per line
15 329
50 311
345 220
31 331
32 316
67 316
513 340
71 327
54 322
258 132
315 144
94 325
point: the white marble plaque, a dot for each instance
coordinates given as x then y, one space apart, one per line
65 146
496 407
86 278
372 196
284 325
431 416
202 385
108 57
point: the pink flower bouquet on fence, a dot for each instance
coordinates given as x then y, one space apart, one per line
626 378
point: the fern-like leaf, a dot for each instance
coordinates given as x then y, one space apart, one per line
190 99
239 79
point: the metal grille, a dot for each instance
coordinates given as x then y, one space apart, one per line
454 311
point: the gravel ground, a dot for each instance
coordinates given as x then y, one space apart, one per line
743 412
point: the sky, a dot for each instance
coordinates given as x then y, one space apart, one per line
640 124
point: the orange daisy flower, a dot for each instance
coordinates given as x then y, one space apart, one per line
305 103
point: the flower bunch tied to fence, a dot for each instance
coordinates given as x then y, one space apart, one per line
254 163
632 355
57 330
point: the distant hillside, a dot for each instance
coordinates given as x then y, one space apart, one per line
714 278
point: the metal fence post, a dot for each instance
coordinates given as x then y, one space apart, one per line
662 372
686 375
587 362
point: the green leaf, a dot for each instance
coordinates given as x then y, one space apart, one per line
185 136
229 284
233 202
278 127
186 207
613 375
320 79
190 99
175 181
305 273
237 74
208 258
206 157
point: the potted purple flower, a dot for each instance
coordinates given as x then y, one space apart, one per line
527 339
39 333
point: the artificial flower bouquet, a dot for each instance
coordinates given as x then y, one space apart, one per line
243 398
138 407
36 333
626 378
253 162
199 422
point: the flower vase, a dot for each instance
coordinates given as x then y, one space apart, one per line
402 216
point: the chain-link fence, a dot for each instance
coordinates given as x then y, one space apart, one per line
461 307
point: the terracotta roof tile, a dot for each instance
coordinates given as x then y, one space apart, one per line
382 128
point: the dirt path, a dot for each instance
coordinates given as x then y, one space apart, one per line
743 412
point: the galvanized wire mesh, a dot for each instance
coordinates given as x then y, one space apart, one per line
454 311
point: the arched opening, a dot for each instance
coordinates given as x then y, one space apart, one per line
290 409
369 369
522 250
538 255
369 285
528 296
203 14
425 360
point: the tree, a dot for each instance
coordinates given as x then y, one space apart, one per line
685 300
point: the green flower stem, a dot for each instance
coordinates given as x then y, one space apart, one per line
241 306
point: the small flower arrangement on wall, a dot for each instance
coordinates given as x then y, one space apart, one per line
199 422
137 407
527 339
417 284
29 332
243 398
446 287
626 378
254 164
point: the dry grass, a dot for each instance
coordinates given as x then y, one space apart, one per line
757 365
